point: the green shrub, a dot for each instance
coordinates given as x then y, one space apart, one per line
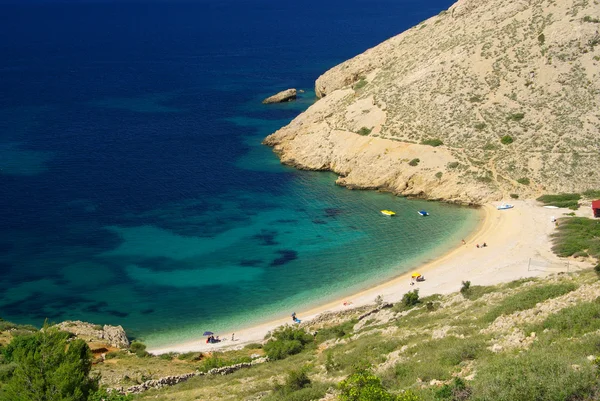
480 126
438 175
190 356
588 18
561 200
515 116
577 235
287 341
360 84
337 331
414 162
365 131
49 367
597 269
411 298
514 196
253 346
113 354
475 99
453 164
534 375
524 181
6 371
168 356
592 193
139 349
528 298
432 142
506 140
466 287
456 391
541 38
364 385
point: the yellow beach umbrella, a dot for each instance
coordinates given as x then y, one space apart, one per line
415 275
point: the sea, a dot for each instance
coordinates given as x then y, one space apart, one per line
134 189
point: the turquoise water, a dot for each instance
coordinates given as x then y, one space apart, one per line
135 190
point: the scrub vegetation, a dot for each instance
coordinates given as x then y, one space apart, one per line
517 341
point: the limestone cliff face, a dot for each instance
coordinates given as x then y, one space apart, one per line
508 91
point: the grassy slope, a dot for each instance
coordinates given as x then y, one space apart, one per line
439 339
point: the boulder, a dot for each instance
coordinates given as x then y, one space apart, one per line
284 96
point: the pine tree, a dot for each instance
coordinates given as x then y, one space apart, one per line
49 368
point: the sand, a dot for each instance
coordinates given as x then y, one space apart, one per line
518 246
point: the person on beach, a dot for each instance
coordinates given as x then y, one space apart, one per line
463 242
232 336
294 316
477 245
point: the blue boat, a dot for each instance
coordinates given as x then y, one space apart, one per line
505 206
423 213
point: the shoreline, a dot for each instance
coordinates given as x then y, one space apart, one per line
514 238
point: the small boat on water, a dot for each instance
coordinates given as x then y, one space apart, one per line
388 213
423 213
505 206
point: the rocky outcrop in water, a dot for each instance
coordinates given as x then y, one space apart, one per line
284 96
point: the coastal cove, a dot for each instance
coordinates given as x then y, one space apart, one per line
137 189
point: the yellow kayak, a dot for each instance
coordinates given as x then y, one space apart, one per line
388 213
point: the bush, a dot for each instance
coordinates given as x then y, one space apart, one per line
453 164
597 269
561 200
414 162
113 354
438 175
592 193
574 321
577 235
360 84
588 18
338 331
365 131
514 196
456 391
480 126
534 375
411 298
515 116
363 385
466 286
524 181
507 140
432 142
287 341
139 349
49 367
541 38
253 346
190 356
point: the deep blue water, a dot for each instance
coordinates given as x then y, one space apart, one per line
134 189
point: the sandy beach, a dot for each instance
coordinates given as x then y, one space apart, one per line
518 245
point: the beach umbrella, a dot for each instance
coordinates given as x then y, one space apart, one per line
415 275
208 333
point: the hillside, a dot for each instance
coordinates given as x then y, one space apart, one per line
487 99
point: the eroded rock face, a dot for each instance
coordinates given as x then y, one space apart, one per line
112 335
284 96
527 72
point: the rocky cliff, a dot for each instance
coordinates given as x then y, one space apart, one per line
486 99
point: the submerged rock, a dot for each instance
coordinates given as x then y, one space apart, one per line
284 96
